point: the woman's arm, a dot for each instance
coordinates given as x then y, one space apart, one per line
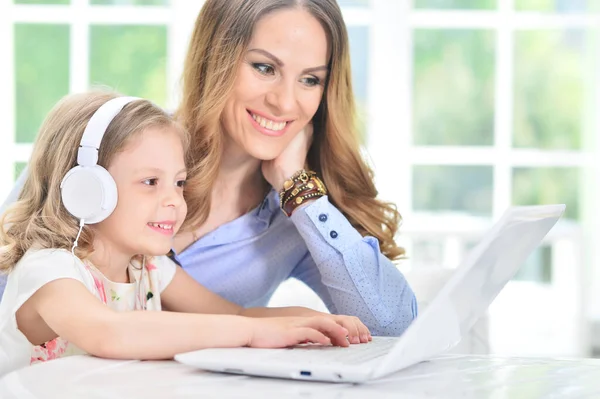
73 313
349 272
184 294
346 270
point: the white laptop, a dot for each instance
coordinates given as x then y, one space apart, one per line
459 304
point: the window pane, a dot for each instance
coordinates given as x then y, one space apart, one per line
459 4
427 253
19 166
42 74
130 2
454 87
130 59
549 101
558 5
453 188
538 267
538 186
359 53
42 1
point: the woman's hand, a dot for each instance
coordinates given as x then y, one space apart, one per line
291 160
357 331
280 332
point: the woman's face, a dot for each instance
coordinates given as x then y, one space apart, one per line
279 84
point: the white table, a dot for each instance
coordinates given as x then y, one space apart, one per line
451 376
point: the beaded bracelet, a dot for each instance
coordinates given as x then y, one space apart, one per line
297 180
304 185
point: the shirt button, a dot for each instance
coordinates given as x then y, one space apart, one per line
323 217
333 234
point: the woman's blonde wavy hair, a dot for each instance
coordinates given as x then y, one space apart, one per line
38 218
220 38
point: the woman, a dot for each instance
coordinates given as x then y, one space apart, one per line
267 92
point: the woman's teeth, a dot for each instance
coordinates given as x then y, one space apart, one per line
269 124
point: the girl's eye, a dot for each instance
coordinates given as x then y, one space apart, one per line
311 81
181 183
264 69
150 182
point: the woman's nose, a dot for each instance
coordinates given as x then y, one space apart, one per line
282 97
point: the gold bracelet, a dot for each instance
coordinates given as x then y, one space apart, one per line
302 175
312 189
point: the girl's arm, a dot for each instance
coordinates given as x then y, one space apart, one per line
73 313
184 294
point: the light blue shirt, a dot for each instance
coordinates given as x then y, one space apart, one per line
246 259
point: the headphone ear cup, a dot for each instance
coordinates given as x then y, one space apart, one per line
89 193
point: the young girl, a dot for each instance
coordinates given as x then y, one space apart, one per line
81 264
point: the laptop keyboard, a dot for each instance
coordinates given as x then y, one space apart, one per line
358 353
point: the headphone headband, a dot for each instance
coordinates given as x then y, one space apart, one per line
96 128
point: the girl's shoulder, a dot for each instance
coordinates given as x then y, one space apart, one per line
58 255
43 259
39 266
36 268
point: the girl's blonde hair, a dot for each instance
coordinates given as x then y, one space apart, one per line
38 218
221 35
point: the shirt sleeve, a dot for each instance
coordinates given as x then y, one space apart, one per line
166 271
350 273
40 267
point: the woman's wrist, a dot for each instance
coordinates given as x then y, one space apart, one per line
283 175
299 189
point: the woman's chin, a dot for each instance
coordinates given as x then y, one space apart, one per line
265 154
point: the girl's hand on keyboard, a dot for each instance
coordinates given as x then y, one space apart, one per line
358 333
280 332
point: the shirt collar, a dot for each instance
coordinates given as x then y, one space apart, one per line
246 226
267 208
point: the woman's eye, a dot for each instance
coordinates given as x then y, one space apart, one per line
181 183
264 69
150 182
311 81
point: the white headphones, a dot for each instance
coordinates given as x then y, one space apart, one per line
88 191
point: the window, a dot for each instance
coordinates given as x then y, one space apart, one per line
481 104
59 47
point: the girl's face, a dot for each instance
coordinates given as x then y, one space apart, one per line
279 84
150 174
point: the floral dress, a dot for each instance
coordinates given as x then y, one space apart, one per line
141 293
